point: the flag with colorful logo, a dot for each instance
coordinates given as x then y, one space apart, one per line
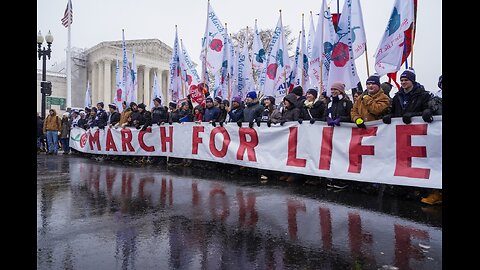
278 67
342 63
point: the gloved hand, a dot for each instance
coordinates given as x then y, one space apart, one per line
170 122
143 128
258 123
282 122
387 119
269 123
213 123
221 123
300 121
407 118
330 122
337 121
312 121
360 123
427 116
250 124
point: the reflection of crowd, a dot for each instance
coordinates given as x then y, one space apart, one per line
372 104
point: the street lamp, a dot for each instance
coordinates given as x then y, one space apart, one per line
43 53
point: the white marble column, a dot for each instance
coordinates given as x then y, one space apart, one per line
146 85
107 88
94 82
100 82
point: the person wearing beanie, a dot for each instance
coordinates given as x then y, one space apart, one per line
411 100
270 114
173 113
371 105
224 107
298 91
216 101
409 74
253 110
113 115
386 87
236 110
185 113
158 112
64 136
211 112
101 118
312 109
439 91
52 127
252 95
339 107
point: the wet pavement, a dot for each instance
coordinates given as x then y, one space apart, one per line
105 215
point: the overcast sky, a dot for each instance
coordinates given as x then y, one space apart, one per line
95 21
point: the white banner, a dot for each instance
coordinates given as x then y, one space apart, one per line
396 154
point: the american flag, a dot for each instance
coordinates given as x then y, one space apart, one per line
68 15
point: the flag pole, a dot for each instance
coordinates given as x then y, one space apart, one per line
69 75
413 37
204 75
366 60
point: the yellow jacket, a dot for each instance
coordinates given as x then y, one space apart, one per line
371 108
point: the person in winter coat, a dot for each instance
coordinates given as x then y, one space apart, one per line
270 114
411 100
339 107
253 110
312 108
159 114
371 105
114 116
290 112
65 133
52 127
211 112
235 112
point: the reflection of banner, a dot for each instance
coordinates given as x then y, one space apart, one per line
393 154
351 232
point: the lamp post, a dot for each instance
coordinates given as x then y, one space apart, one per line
42 54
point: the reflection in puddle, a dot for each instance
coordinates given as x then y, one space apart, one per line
138 218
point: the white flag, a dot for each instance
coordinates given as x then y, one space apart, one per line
278 65
244 75
118 88
322 49
125 68
310 38
213 42
358 31
259 58
88 96
294 78
190 77
156 91
133 71
342 63
175 84
388 56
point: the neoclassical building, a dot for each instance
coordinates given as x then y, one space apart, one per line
98 64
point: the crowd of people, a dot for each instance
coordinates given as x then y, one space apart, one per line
374 103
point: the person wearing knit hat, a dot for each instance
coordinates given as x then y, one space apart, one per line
252 95
371 105
298 90
253 110
374 79
312 109
236 99
409 74
114 116
340 86
216 101
410 100
339 107
157 99
172 104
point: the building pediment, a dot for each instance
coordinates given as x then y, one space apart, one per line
151 47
